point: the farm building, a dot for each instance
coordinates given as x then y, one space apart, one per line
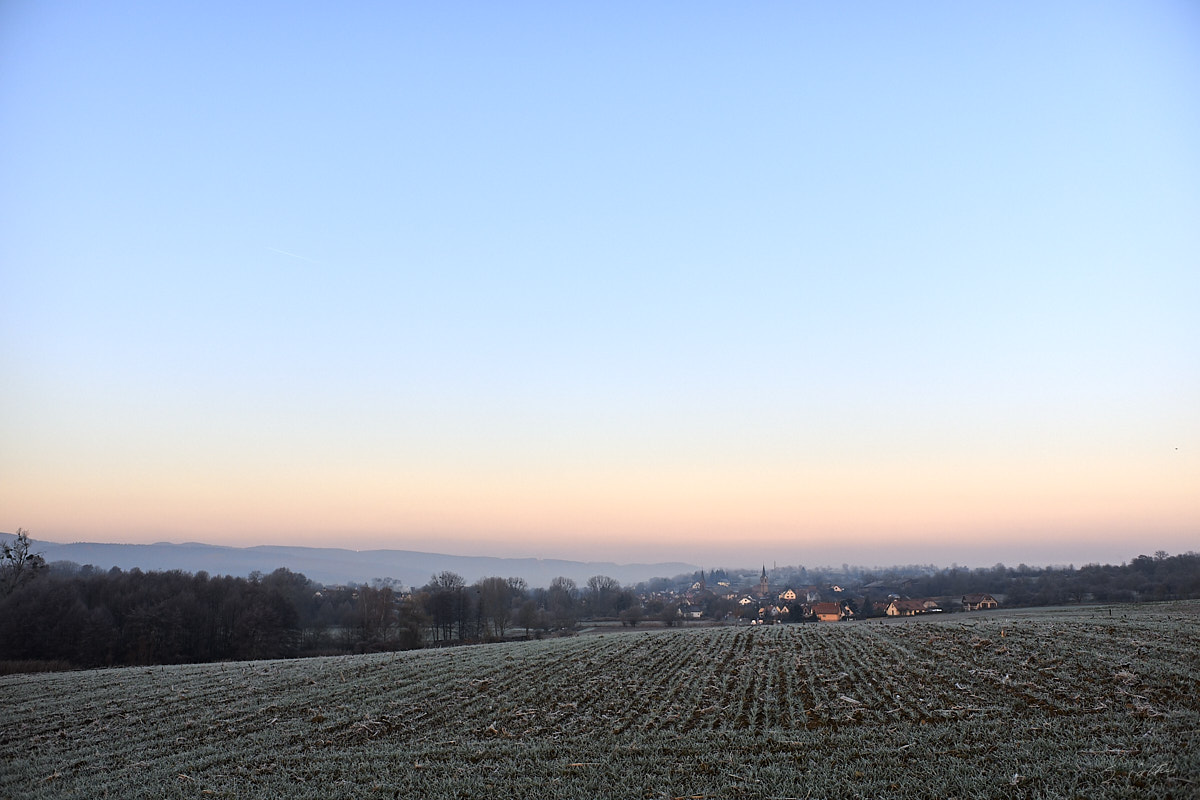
978 602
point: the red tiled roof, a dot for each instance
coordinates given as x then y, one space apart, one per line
909 605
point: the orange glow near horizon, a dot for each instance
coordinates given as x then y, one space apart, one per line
620 512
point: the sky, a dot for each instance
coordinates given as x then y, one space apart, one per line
729 284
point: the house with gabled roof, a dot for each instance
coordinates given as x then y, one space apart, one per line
829 612
909 608
979 602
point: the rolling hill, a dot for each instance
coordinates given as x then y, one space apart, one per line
331 565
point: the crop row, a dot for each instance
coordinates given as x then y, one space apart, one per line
961 705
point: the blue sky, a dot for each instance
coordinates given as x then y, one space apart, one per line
780 281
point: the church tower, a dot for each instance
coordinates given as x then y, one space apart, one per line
763 583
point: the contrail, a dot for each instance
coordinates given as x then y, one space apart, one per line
293 255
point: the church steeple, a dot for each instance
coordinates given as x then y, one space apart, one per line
763 583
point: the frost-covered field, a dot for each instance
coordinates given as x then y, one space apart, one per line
1088 703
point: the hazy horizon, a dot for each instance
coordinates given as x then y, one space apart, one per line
869 284
941 557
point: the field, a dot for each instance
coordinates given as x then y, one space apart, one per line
1089 702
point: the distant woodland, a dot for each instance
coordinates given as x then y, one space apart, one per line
63 615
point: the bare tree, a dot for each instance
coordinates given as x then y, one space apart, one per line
447 604
375 614
495 598
529 616
562 602
17 564
602 595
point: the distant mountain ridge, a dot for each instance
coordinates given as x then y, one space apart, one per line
331 565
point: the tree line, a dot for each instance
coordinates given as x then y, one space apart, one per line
63 615
1144 579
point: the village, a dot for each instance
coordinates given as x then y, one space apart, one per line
137 618
448 610
761 604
